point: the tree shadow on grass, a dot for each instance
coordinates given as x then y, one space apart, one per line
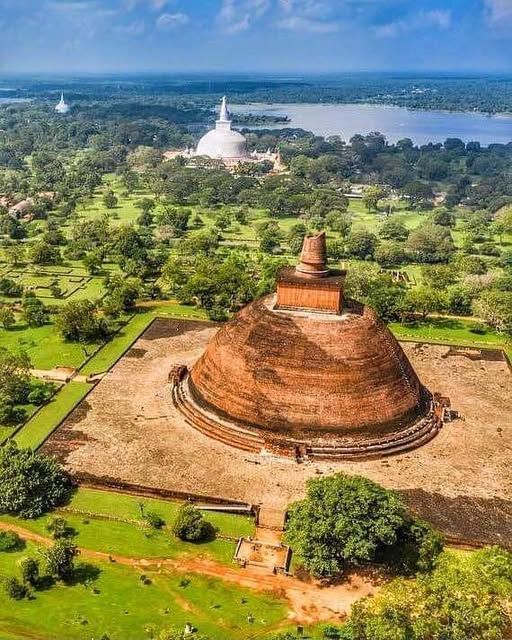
45 583
84 574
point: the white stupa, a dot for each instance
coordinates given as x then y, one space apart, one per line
62 106
223 143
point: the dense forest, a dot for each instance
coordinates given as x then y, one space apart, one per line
484 93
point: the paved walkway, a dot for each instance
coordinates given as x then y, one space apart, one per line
64 375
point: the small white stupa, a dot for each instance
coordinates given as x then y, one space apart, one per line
62 106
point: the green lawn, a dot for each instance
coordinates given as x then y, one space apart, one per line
127 506
449 331
118 604
39 427
45 346
111 522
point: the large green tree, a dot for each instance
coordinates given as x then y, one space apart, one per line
343 520
31 483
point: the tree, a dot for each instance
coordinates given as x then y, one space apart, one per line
390 254
191 526
495 307
60 559
10 288
30 571
392 229
146 205
465 596
458 300
10 541
371 197
93 261
331 527
14 382
443 217
422 300
78 321
361 244
7 319
439 276
110 200
296 237
33 311
339 221
31 483
15 589
43 253
431 243
122 293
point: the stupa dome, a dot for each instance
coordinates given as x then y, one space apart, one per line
307 374
222 142
304 372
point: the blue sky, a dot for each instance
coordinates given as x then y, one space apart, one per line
255 35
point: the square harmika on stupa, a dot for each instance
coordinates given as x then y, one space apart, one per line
307 373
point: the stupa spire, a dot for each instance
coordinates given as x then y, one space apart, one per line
224 114
313 259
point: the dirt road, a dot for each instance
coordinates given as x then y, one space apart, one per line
310 601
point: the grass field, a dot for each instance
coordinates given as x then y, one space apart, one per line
111 603
453 331
114 601
39 427
111 523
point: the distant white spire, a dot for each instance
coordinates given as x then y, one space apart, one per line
224 115
62 107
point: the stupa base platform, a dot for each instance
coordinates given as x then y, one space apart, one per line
327 447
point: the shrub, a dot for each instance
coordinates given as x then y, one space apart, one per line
191 526
40 392
10 541
60 559
30 571
154 520
59 528
15 589
479 328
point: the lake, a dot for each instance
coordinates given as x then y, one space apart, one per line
395 123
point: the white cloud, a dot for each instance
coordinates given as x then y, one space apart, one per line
499 12
437 18
158 5
169 21
300 23
238 15
312 16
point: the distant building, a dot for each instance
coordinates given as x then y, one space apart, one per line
62 107
227 146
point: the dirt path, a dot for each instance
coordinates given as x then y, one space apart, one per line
310 601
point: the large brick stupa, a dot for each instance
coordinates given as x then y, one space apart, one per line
306 373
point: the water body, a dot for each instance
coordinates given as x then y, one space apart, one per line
13 100
395 123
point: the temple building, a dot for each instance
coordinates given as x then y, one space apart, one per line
227 146
62 107
307 373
